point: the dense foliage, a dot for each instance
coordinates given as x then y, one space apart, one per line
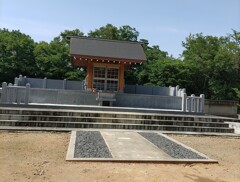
16 55
209 64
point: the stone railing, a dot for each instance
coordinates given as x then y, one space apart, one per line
15 94
193 103
48 83
24 94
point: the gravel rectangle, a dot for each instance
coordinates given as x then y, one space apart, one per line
171 148
90 144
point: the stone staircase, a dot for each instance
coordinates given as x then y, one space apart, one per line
63 117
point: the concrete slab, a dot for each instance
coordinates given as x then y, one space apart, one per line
130 145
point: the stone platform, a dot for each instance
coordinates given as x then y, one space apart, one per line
59 117
130 146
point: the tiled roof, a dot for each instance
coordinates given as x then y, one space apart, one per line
84 46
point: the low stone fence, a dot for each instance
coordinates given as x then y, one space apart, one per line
150 90
48 83
12 94
78 85
148 101
221 108
69 97
15 94
193 103
26 94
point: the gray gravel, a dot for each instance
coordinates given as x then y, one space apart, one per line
90 144
171 148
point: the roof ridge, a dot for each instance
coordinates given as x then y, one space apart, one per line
108 40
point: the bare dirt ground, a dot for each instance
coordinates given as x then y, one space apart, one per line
40 156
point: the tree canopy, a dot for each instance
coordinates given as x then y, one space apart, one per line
216 62
16 55
109 31
209 64
53 59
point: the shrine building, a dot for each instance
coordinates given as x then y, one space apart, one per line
105 60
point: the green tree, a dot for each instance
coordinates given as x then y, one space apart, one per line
127 33
16 55
53 59
105 32
215 64
166 71
146 74
111 32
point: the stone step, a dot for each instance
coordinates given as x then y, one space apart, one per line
111 120
90 113
114 126
19 128
90 107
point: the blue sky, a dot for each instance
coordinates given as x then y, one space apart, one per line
163 22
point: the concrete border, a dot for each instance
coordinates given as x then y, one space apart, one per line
171 161
71 146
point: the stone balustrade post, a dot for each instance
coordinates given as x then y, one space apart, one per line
10 93
27 93
24 81
4 93
16 80
197 104
20 78
64 84
188 104
184 98
45 82
14 94
202 105
193 103
176 90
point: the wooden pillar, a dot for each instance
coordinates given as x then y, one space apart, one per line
89 74
121 78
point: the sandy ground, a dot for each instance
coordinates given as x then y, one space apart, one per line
39 156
